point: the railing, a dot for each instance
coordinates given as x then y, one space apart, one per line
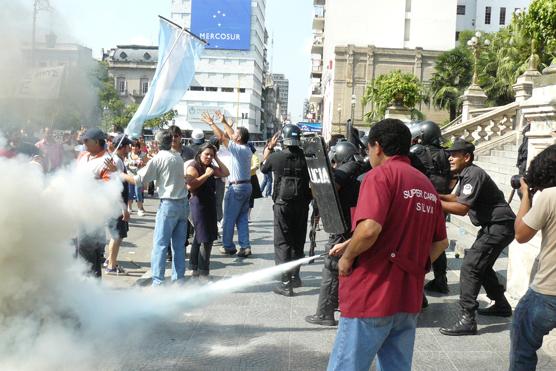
489 126
456 121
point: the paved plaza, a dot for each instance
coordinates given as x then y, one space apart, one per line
255 329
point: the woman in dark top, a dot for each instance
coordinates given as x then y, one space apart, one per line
203 206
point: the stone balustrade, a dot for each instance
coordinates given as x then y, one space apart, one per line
497 122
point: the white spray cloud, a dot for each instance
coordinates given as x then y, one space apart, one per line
51 316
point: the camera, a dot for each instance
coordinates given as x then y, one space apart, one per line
516 181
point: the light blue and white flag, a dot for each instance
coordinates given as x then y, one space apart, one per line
178 54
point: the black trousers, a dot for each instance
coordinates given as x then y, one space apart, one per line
477 271
91 249
329 285
199 258
440 266
290 229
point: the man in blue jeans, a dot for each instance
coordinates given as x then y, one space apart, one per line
166 168
535 314
399 228
236 199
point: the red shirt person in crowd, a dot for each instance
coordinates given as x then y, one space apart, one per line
399 228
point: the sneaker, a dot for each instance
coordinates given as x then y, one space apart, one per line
241 253
248 251
322 320
118 271
226 251
105 264
438 285
141 213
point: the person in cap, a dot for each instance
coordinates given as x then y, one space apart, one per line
96 161
478 196
118 227
236 199
291 196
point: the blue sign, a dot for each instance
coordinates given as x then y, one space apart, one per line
224 24
310 127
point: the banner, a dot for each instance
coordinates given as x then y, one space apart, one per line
310 127
224 24
41 83
178 54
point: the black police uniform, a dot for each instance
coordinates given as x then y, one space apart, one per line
291 196
346 178
434 162
489 210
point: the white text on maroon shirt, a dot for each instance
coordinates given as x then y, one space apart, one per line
424 195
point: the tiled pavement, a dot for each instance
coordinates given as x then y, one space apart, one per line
255 329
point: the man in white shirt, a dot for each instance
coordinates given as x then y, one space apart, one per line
166 168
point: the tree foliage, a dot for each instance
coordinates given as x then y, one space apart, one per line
531 36
402 89
453 73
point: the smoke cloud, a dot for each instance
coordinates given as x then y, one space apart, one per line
52 317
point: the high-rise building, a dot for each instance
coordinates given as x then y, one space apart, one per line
486 15
284 91
230 74
356 41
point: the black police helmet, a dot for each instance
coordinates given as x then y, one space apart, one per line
430 133
292 135
344 152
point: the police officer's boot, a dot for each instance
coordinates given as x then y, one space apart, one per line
284 287
500 308
438 284
466 325
296 279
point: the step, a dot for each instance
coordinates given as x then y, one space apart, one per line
497 168
503 153
511 147
498 160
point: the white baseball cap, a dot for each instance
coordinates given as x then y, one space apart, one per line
198 136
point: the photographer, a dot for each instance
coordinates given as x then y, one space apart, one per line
535 314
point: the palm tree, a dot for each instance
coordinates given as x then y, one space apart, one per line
453 73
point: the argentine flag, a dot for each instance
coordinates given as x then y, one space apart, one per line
178 54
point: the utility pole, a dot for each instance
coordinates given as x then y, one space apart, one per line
36 9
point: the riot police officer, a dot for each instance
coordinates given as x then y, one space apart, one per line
347 169
291 196
434 160
478 196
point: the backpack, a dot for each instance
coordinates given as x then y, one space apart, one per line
437 166
292 186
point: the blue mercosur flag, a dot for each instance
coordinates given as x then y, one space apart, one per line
178 54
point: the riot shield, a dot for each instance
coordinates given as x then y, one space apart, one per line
323 186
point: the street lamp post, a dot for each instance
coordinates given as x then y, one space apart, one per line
475 45
350 121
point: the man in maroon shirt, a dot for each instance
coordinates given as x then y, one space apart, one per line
398 229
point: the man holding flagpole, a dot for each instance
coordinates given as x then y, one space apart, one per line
178 54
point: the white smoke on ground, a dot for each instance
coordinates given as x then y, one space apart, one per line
52 317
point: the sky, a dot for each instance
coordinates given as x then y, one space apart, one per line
104 24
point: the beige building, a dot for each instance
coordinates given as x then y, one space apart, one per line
132 67
363 65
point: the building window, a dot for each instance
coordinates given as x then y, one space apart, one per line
407 32
244 116
121 85
211 88
241 90
144 86
227 90
197 88
457 35
461 9
502 16
488 11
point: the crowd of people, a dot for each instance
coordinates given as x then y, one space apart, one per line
395 204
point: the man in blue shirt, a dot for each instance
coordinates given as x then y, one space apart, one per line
236 199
